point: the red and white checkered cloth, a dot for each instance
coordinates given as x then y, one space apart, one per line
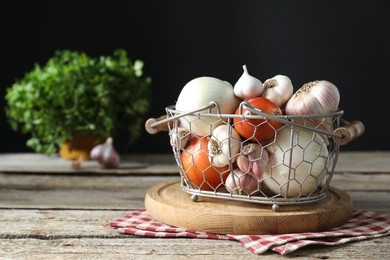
362 225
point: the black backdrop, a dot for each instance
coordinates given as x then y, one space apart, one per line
345 42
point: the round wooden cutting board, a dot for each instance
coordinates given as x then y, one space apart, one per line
167 203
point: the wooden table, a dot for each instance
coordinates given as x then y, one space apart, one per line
49 211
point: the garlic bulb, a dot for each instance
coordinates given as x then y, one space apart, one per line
239 182
278 89
248 86
106 154
297 162
224 145
316 97
254 159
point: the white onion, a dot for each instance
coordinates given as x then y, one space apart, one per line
308 156
198 93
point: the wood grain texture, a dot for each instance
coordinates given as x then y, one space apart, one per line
177 248
65 215
167 203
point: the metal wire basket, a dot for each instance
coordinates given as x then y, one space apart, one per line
296 164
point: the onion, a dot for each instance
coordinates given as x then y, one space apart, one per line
198 93
296 169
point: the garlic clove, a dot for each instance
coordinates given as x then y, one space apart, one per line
278 89
248 86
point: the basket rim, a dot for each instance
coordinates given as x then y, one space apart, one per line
292 120
261 114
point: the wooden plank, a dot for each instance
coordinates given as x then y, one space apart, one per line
54 224
52 234
130 164
148 164
364 162
75 192
177 248
125 192
343 181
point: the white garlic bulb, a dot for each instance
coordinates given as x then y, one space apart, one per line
248 86
278 89
316 97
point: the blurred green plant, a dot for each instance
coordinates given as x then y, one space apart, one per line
77 94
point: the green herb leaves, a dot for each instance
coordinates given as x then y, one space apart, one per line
74 93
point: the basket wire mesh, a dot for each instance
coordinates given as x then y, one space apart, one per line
299 185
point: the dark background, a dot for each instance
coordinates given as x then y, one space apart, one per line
345 42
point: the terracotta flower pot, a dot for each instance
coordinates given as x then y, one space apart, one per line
79 147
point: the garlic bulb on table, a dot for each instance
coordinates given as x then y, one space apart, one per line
278 89
248 86
106 154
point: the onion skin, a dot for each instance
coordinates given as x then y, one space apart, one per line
258 130
239 182
198 169
307 168
198 93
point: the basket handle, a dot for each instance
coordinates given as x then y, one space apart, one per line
349 132
156 125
